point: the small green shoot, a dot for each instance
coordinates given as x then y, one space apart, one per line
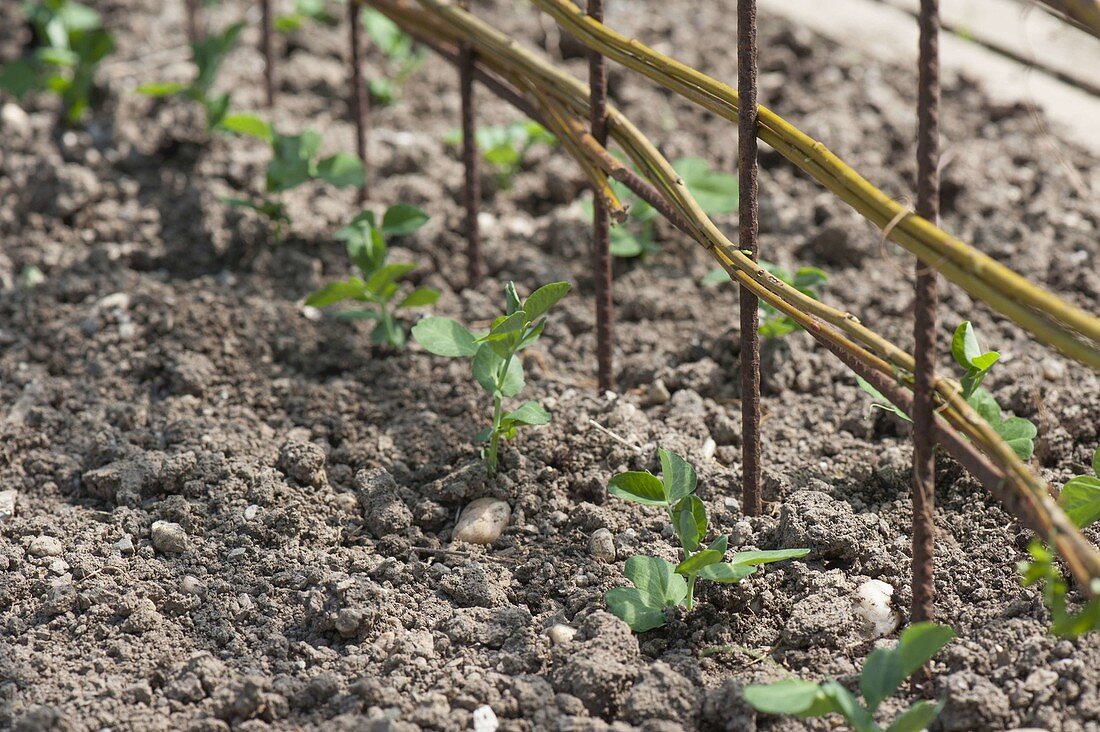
504 147
294 160
883 673
208 54
1017 432
404 56
495 358
879 401
774 324
304 11
660 585
377 287
71 42
1080 499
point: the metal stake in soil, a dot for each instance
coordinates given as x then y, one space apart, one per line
194 20
747 232
266 32
924 328
475 268
360 105
601 223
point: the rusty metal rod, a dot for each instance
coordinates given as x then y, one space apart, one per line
924 325
601 221
747 232
475 267
360 104
266 40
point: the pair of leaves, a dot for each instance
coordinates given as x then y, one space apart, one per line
968 354
1041 568
527 414
716 192
657 587
883 672
1080 497
504 146
295 161
365 239
678 479
1018 432
774 324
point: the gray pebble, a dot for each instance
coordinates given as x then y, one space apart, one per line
601 545
45 546
169 537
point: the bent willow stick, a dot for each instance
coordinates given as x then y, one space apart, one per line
511 71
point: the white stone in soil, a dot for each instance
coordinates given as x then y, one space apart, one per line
485 719
45 546
169 537
7 504
872 606
601 545
561 634
482 521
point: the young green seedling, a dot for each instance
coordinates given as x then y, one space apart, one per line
1017 432
294 161
883 672
404 56
207 55
71 42
378 284
305 11
660 585
775 324
504 147
495 358
1080 499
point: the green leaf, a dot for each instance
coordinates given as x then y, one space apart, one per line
965 347
639 487
420 297
916 718
342 170
529 413
697 561
677 475
20 77
1080 499
1017 432
161 88
486 367
625 244
626 603
350 289
691 522
715 191
716 276
791 696
513 379
444 337
291 164
544 298
247 124
726 573
807 279
1096 461
401 219
845 703
880 401
755 558
507 326
886 668
380 279
512 303
657 584
721 544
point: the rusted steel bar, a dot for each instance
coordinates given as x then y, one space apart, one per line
360 104
193 9
475 268
601 222
266 32
924 326
747 233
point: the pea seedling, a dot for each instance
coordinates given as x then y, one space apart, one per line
660 585
397 46
1017 432
378 284
504 147
207 55
496 363
1080 499
774 324
883 672
71 44
294 161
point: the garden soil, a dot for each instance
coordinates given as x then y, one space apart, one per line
166 370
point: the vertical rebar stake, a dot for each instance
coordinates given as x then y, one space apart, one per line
194 20
601 223
266 32
924 327
359 102
747 232
475 268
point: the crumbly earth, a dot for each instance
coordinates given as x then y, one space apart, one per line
165 371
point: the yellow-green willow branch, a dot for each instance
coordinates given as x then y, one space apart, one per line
1046 316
